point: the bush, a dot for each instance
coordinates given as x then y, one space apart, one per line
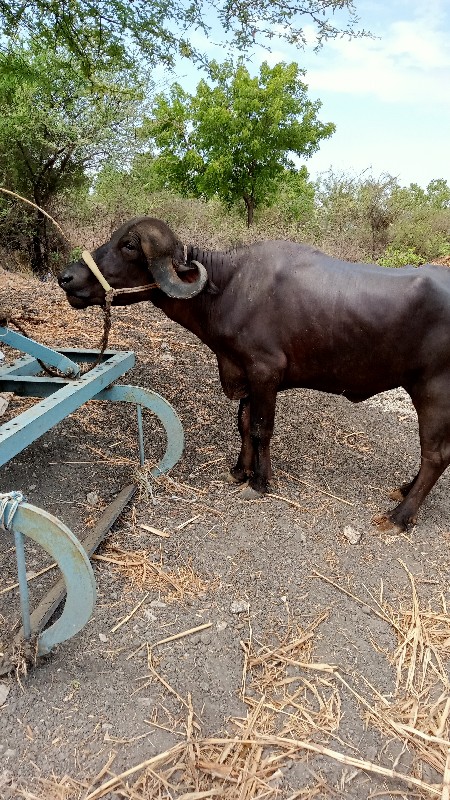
398 257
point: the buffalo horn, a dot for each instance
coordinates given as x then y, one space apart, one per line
167 279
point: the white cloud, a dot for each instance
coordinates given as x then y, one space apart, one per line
409 62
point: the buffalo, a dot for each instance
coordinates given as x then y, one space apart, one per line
279 315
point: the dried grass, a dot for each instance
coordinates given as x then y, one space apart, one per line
419 712
143 574
292 702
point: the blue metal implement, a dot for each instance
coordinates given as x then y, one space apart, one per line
57 540
46 354
60 396
165 413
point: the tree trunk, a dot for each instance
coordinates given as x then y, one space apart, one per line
250 206
39 246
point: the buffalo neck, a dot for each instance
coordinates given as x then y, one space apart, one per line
219 264
193 314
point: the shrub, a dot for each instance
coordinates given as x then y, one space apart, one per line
399 257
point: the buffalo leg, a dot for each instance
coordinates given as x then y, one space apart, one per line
403 490
244 465
262 417
434 429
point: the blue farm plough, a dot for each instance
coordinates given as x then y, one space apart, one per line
57 397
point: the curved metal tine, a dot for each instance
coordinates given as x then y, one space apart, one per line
162 409
37 350
61 544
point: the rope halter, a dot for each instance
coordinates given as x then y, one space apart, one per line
109 291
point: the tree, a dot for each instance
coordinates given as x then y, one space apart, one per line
236 138
422 219
122 29
354 214
54 129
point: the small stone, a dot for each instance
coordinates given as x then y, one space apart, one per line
353 536
149 616
103 638
371 753
239 607
4 692
5 397
276 779
221 626
32 487
9 753
145 702
92 498
158 604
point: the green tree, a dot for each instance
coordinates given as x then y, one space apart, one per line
235 138
55 129
160 31
422 219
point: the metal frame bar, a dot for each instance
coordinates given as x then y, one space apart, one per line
61 544
60 397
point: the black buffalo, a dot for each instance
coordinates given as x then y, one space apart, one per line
280 315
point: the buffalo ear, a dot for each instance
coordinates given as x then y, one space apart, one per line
164 272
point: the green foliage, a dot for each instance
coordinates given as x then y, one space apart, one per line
358 218
353 214
235 138
422 219
120 31
55 128
395 257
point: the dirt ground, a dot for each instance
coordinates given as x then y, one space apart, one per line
316 666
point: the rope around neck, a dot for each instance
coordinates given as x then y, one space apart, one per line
15 498
109 292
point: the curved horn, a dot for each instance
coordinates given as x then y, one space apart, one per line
167 279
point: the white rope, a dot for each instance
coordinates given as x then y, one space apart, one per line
110 292
15 499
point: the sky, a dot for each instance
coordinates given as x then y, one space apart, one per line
389 96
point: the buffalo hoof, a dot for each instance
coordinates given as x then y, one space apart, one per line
233 480
384 523
397 495
250 494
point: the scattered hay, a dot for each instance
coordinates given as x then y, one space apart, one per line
18 658
144 574
419 713
293 703
424 642
293 708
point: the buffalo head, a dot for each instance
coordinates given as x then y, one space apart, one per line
143 251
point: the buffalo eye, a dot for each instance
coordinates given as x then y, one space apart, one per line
129 246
